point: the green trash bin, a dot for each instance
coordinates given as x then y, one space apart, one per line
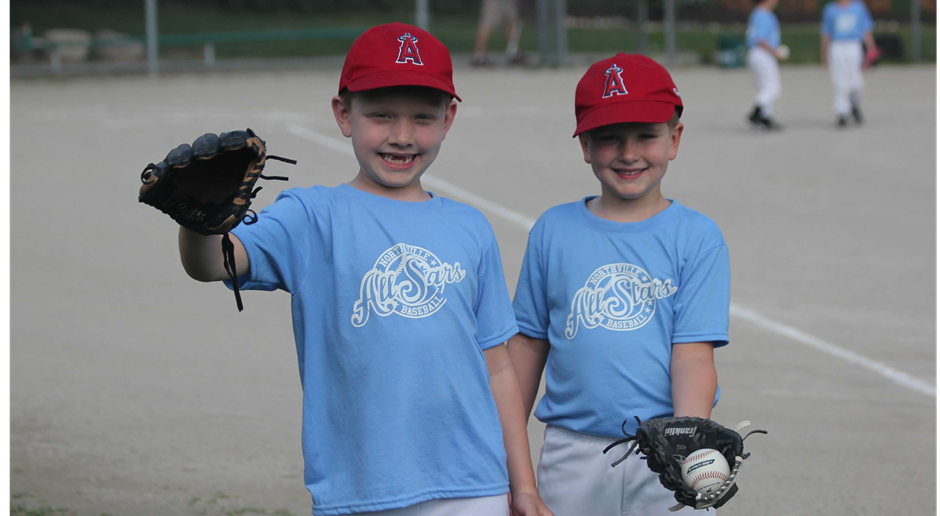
731 51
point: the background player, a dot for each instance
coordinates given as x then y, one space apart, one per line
764 50
492 13
627 293
845 24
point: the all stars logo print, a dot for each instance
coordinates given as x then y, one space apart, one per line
406 280
617 296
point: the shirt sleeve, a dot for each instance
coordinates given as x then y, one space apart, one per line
495 322
278 245
531 300
867 23
751 32
704 298
763 29
828 23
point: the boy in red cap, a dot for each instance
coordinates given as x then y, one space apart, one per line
399 304
625 295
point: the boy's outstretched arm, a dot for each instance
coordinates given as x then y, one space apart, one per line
694 379
202 256
528 356
505 387
869 39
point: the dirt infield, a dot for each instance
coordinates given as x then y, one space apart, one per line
135 390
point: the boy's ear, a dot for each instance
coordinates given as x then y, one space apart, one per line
674 137
583 138
341 112
450 113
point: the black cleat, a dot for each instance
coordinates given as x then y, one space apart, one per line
757 120
842 122
518 59
772 125
480 62
857 114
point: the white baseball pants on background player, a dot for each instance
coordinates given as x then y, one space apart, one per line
767 76
845 70
575 479
486 505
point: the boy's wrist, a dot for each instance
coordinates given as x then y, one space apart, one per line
526 488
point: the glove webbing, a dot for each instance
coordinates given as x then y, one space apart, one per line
228 248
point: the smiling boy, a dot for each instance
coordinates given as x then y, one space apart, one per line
399 304
624 296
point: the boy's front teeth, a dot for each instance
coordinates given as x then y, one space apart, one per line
397 160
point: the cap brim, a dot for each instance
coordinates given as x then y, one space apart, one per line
643 111
389 79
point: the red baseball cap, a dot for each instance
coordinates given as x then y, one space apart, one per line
625 88
397 54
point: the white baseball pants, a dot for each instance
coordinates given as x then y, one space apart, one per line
575 479
767 76
845 70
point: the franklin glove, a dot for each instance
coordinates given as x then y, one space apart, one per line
666 442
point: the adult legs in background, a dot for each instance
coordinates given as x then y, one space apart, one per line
491 14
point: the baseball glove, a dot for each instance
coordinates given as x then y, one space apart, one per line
208 186
666 442
871 57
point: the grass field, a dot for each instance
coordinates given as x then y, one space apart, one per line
456 32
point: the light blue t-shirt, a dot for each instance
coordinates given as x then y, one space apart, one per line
612 298
763 25
846 23
393 303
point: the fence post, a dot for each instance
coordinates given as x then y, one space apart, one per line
421 14
642 17
209 53
670 30
915 30
561 31
153 54
55 60
545 35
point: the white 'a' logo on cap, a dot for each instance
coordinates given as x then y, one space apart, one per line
614 84
408 50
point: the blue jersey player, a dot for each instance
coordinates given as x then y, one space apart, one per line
764 51
400 309
621 300
845 25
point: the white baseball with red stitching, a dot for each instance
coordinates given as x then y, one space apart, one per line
705 470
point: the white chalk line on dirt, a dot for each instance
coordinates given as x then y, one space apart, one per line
526 223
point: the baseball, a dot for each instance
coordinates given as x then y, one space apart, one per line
783 51
705 470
